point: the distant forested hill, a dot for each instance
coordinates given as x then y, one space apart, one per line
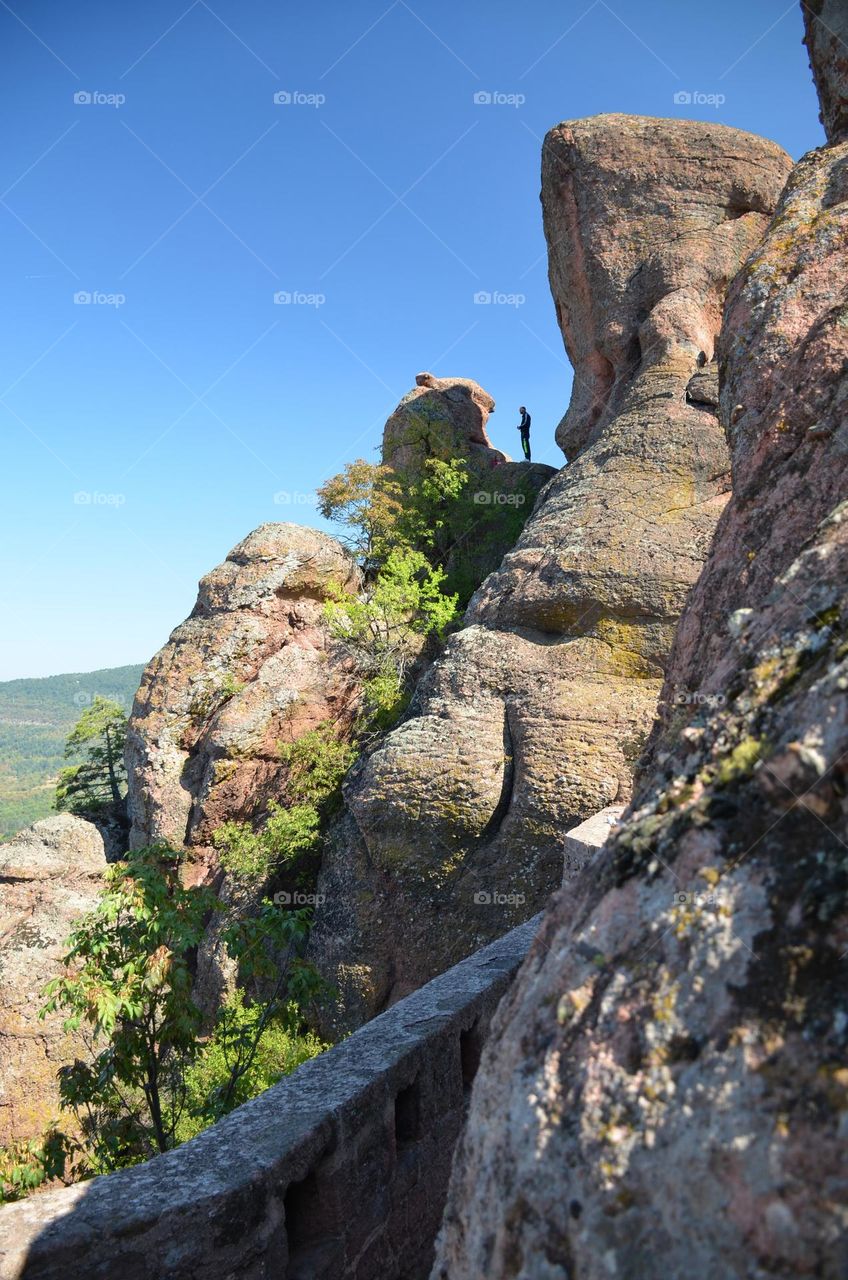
35 719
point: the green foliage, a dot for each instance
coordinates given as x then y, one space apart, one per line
281 1046
128 984
317 763
25 1165
428 519
384 627
36 717
99 779
365 499
287 835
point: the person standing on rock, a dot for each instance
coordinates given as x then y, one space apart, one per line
524 428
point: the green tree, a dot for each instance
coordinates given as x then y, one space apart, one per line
366 499
99 779
384 627
128 987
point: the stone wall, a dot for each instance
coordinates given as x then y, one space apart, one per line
339 1170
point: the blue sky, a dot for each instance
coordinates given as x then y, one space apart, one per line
147 431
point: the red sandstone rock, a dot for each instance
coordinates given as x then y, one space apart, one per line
535 714
50 875
826 38
248 669
665 1090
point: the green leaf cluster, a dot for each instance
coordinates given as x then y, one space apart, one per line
127 989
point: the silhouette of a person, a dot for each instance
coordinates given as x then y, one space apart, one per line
524 428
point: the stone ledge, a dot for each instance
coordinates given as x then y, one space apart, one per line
354 1149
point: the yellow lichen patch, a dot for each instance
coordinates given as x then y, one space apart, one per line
741 761
627 642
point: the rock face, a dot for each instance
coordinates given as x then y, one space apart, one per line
666 1088
50 875
674 207
445 418
534 716
826 38
441 417
249 668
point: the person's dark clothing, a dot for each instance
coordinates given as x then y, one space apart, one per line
524 429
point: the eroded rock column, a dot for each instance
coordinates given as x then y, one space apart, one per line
535 715
664 1091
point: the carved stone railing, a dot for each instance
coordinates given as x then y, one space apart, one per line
340 1170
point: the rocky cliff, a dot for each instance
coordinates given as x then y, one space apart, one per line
445 419
534 716
666 1089
250 668
50 875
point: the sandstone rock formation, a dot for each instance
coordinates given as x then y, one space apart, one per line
441 417
445 418
536 713
666 1090
249 668
826 37
50 875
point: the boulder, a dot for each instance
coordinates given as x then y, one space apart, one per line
251 667
441 417
50 875
665 1089
534 716
445 419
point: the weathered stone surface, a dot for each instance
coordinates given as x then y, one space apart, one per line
665 1087
674 207
339 1170
583 842
784 401
534 716
441 417
445 419
826 38
249 668
50 875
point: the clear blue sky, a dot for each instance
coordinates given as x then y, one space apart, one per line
182 412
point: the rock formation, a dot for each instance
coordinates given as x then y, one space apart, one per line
533 718
666 1089
444 418
826 38
248 669
50 875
